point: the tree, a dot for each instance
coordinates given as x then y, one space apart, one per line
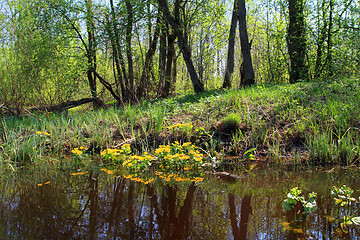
297 41
144 80
247 71
183 45
229 70
91 48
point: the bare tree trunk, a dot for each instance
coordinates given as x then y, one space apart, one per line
247 73
128 39
162 57
183 44
144 81
229 69
174 73
115 45
169 62
91 54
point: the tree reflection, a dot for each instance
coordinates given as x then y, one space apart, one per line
172 224
240 232
93 200
92 206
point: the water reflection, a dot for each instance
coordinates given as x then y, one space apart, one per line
100 206
240 232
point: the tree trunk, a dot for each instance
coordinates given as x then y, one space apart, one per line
66 105
91 54
296 41
115 45
329 40
320 43
169 63
183 45
128 39
247 73
144 81
162 57
229 69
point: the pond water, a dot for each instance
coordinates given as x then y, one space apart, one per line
94 204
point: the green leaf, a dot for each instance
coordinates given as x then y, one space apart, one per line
309 207
289 203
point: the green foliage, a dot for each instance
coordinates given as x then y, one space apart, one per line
159 120
307 206
249 154
342 195
117 156
179 156
232 120
343 198
309 120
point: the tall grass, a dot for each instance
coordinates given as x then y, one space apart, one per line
317 119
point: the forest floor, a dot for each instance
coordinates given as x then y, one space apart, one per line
304 123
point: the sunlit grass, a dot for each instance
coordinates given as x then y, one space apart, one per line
320 120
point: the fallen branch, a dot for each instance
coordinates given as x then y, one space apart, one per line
66 105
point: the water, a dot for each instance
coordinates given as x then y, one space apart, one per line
96 205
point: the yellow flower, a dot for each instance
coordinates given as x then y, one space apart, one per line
76 151
187 144
184 157
78 173
46 133
39 132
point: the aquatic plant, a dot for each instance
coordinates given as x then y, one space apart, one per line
294 199
117 156
137 163
179 156
343 199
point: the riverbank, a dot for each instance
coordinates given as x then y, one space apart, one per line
306 123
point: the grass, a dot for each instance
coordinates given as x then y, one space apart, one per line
311 123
